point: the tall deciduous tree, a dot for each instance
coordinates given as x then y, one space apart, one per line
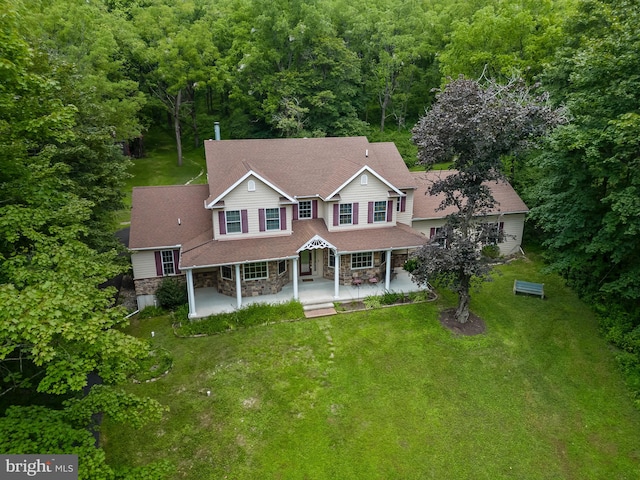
473 126
588 196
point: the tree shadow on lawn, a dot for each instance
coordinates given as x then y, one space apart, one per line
474 326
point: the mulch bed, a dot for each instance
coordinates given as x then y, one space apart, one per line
474 326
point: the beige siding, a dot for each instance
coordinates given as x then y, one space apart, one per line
512 229
406 216
144 264
242 199
354 192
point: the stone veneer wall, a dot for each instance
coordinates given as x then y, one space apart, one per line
347 274
206 279
253 288
148 286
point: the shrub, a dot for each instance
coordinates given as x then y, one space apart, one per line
491 251
391 297
251 315
410 265
171 294
149 312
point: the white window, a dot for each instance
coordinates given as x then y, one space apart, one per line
272 216
305 209
251 186
332 259
168 265
282 267
346 210
362 260
491 233
255 271
234 224
380 211
364 179
227 272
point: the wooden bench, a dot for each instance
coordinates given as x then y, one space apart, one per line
520 286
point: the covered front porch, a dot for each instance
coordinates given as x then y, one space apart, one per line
317 291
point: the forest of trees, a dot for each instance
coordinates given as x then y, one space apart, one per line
80 78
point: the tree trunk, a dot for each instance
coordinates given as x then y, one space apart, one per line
176 126
462 312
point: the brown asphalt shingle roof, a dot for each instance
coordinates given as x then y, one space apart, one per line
155 212
426 206
302 166
215 252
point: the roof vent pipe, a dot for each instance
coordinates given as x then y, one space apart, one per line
366 152
216 126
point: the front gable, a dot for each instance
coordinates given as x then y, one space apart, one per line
247 183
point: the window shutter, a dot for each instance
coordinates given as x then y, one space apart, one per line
314 208
176 261
336 214
245 223
159 271
223 223
370 214
432 232
295 212
354 210
389 210
403 204
261 219
283 218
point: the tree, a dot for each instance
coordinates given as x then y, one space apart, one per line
473 126
587 201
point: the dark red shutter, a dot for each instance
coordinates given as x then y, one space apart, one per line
176 261
261 219
403 204
355 211
314 209
432 232
283 218
159 270
336 214
370 214
389 210
295 212
245 223
223 223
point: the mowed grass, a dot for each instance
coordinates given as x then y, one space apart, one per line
159 166
389 393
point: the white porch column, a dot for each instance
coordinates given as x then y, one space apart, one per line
295 278
238 286
336 279
387 273
191 294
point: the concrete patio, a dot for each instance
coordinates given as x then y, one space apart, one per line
316 292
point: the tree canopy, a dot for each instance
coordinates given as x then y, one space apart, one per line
472 126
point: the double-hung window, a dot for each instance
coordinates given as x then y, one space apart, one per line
234 224
226 272
168 265
305 209
272 217
362 260
282 267
380 211
346 211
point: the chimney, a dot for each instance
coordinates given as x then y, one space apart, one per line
217 130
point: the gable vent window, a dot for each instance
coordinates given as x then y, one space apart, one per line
251 186
364 179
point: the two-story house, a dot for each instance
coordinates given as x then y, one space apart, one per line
279 212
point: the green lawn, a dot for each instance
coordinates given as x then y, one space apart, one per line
160 167
388 393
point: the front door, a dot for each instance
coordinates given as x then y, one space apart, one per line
305 262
